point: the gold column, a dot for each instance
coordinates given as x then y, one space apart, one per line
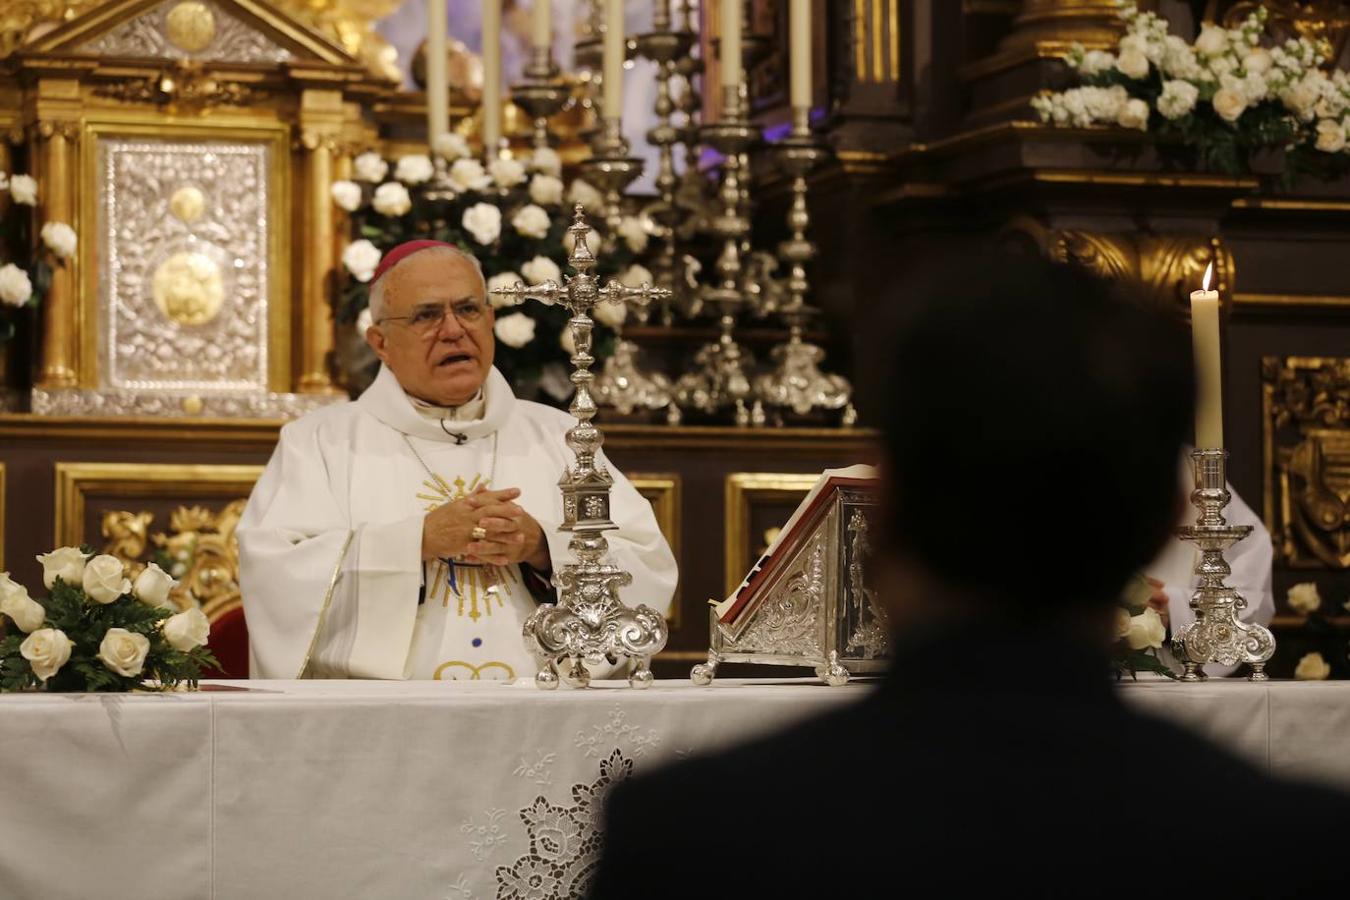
320 129
56 132
1092 23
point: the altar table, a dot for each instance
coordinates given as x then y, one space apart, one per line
300 789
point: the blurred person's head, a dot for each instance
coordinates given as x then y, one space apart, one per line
1033 420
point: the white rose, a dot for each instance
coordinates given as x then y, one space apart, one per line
1146 630
1229 104
23 188
60 239
515 330
1258 62
582 192
546 190
364 319
124 651
1212 41
484 222
391 199
47 650
105 579
634 233
636 276
361 257
1304 598
26 612
611 314
1094 62
187 629
1133 43
1133 64
15 286
507 172
1122 624
531 221
541 269
347 195
1312 667
1300 97
415 168
1178 99
1133 114
496 283
152 587
1330 136
567 341
450 146
370 167
66 563
468 175
546 160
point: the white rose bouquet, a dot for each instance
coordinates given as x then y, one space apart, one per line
511 214
26 272
98 630
1228 95
1140 632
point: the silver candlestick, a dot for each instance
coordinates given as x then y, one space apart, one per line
797 383
1217 635
611 168
589 623
540 94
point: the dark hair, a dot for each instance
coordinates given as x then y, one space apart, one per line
1033 419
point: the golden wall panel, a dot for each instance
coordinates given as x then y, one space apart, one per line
755 504
662 491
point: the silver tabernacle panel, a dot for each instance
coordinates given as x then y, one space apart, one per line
814 608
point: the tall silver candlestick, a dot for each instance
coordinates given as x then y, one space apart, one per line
540 94
1217 635
611 168
589 623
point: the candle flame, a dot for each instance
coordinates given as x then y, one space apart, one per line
1209 274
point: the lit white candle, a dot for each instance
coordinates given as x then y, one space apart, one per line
1208 366
799 34
614 54
492 76
438 88
541 27
730 34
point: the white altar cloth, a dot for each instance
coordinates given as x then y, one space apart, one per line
430 789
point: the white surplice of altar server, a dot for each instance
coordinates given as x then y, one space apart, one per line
1252 560
409 534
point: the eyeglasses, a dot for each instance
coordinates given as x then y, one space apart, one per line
427 320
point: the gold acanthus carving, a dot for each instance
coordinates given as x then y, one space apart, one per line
184 86
53 128
199 550
351 23
1317 20
1307 459
24 20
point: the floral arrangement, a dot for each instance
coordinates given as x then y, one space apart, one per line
1305 599
25 274
1227 95
97 630
1140 632
512 214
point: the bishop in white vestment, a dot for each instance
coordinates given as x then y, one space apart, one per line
409 534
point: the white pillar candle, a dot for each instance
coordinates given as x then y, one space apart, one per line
541 27
730 35
492 76
1208 366
614 54
799 33
438 88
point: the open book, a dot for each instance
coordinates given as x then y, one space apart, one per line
799 526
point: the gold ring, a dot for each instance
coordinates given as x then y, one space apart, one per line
479 532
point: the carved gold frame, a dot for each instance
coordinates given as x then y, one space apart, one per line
662 490
242 128
78 483
743 489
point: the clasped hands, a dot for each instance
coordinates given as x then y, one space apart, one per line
485 527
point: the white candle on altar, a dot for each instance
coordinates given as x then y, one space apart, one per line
730 48
541 27
799 34
615 41
1208 366
492 76
438 87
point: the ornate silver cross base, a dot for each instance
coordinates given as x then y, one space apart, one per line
589 623
1217 635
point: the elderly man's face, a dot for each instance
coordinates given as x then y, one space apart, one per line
440 359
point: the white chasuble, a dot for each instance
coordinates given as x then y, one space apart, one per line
330 544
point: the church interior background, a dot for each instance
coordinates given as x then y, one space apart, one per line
211 289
